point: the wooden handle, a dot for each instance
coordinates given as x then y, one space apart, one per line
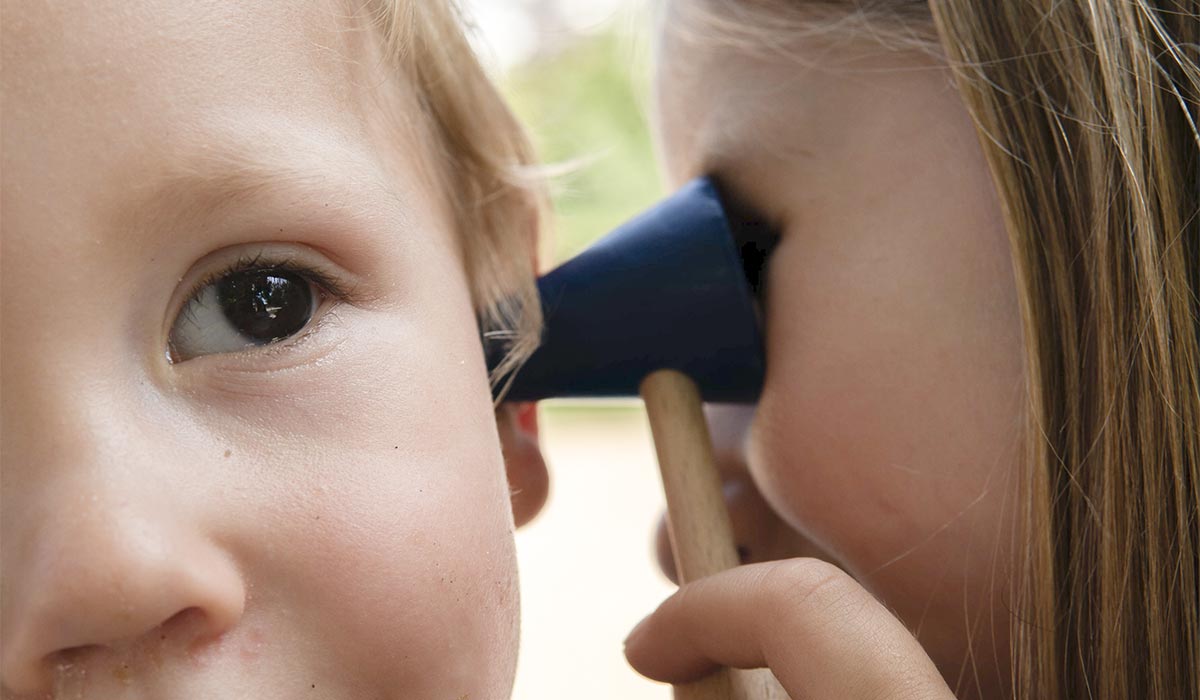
697 520
701 533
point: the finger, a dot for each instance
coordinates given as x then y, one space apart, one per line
818 630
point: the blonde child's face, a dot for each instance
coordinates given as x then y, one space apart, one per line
886 436
206 493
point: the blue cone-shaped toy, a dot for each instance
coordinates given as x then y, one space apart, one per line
673 288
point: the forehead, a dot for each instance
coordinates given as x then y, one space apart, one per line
758 96
165 53
98 91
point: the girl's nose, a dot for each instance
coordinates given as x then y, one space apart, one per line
114 579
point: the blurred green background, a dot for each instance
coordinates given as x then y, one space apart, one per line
584 103
588 571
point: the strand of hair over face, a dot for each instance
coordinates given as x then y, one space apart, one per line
486 164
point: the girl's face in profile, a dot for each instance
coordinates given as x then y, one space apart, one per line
249 448
887 435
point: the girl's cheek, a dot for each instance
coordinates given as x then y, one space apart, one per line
794 484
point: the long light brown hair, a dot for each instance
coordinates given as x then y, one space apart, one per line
1088 115
1087 111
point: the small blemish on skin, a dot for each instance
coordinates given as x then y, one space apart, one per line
228 453
252 647
121 673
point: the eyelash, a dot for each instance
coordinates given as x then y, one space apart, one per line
327 281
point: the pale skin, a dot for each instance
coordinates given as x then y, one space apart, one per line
878 471
334 513
324 513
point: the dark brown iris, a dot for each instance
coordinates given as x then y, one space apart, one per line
265 305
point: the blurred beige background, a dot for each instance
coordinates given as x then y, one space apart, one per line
576 72
587 566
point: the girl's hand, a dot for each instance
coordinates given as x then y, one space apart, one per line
820 632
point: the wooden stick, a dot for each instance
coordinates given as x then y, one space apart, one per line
697 520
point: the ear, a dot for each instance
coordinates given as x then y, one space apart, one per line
528 479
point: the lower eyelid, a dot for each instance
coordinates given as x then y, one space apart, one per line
243 371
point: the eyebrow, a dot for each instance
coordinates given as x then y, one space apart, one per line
207 181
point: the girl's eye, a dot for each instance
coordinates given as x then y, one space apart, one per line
241 309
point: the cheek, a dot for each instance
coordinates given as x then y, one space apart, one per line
373 515
888 422
413 579
887 430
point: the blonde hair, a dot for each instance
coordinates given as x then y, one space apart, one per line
483 159
1087 113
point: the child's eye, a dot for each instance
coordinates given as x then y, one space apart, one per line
244 308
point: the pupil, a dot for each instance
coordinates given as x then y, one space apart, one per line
265 305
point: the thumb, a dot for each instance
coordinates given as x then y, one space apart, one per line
820 632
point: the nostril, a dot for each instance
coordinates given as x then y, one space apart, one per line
43 675
72 656
191 632
65 672
191 618
61 674
121 586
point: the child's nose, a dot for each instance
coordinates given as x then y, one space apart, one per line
116 579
